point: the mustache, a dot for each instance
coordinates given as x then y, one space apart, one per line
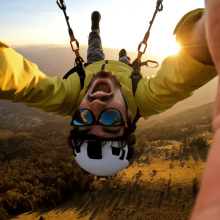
102 99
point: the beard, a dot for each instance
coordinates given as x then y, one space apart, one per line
102 74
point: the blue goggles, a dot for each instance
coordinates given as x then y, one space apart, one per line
108 117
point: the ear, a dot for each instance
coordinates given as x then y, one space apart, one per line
129 114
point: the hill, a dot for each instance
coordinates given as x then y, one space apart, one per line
185 124
39 171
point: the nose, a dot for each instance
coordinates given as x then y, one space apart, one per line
97 106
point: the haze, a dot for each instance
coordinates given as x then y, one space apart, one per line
57 60
38 30
123 23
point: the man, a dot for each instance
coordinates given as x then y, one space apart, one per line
105 107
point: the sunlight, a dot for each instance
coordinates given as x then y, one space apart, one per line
166 47
170 48
174 48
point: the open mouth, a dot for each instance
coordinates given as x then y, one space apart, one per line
101 87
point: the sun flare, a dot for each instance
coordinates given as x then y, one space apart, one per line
175 48
171 48
164 48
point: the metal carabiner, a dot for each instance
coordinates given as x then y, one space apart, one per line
61 5
146 63
159 5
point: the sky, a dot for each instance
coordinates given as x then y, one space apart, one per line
123 22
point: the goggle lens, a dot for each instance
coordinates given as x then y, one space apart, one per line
111 117
82 117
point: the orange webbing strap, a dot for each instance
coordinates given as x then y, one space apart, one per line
140 53
62 6
73 39
159 7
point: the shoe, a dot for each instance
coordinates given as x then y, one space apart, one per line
122 53
96 17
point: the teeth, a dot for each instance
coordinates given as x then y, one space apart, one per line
98 88
99 92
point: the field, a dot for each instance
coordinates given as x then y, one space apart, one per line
40 178
158 189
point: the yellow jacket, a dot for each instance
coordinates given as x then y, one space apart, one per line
179 76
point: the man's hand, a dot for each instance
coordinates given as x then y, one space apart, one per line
212 20
194 42
208 201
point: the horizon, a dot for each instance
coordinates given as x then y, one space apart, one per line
160 57
57 61
46 23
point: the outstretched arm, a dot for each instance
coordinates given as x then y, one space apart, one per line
180 75
22 81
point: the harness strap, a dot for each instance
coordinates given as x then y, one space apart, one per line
135 78
135 82
103 65
81 77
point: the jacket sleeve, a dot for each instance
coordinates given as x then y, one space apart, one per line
22 81
178 77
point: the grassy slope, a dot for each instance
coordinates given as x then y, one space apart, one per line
161 183
167 195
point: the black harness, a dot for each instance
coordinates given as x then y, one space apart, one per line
136 65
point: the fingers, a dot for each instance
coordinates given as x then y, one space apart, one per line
212 22
216 115
208 201
212 14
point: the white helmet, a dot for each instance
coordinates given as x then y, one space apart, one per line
106 160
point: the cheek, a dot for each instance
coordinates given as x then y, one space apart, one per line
119 104
119 99
84 103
